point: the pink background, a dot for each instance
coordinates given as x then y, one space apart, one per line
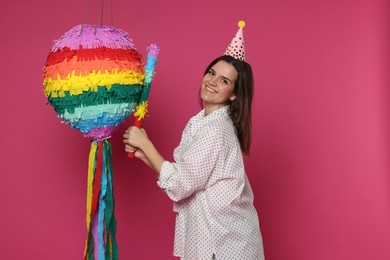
319 165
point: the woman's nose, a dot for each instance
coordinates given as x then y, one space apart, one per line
213 81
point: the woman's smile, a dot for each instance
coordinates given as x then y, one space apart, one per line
211 90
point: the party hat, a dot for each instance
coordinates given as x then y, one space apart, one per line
236 48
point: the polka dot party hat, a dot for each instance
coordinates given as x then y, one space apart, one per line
236 48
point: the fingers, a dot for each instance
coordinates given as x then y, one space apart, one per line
128 133
135 130
126 138
134 138
129 148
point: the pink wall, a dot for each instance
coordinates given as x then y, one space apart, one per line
319 165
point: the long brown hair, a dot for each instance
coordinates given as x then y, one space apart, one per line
240 109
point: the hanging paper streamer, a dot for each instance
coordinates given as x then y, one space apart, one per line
101 223
94 78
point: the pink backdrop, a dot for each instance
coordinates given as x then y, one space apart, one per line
319 165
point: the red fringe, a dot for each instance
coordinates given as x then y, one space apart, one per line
101 53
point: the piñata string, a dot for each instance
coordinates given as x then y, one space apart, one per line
96 19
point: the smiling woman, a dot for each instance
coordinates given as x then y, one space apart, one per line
239 74
207 182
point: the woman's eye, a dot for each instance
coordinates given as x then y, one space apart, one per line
224 81
211 72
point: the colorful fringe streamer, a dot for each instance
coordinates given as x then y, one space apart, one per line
141 110
101 224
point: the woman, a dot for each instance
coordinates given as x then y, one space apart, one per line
213 199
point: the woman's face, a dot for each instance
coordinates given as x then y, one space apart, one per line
218 86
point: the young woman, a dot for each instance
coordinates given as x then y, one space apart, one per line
212 196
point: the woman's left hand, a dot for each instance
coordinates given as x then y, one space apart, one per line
135 137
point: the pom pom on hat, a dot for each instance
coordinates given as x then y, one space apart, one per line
236 48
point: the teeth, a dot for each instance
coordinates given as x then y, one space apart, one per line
211 90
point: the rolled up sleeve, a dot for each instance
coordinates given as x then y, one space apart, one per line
182 178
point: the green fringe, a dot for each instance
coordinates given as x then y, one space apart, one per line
145 93
110 206
116 94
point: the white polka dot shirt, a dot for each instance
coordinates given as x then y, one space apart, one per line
212 196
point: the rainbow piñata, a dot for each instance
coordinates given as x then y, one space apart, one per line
94 78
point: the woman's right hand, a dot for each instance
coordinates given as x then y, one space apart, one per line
138 153
141 155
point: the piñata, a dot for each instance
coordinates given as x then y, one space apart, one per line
94 78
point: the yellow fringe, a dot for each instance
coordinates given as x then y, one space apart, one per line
77 84
141 110
91 164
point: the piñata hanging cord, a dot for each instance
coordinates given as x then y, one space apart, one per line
101 223
97 15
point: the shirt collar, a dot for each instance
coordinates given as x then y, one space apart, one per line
200 120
